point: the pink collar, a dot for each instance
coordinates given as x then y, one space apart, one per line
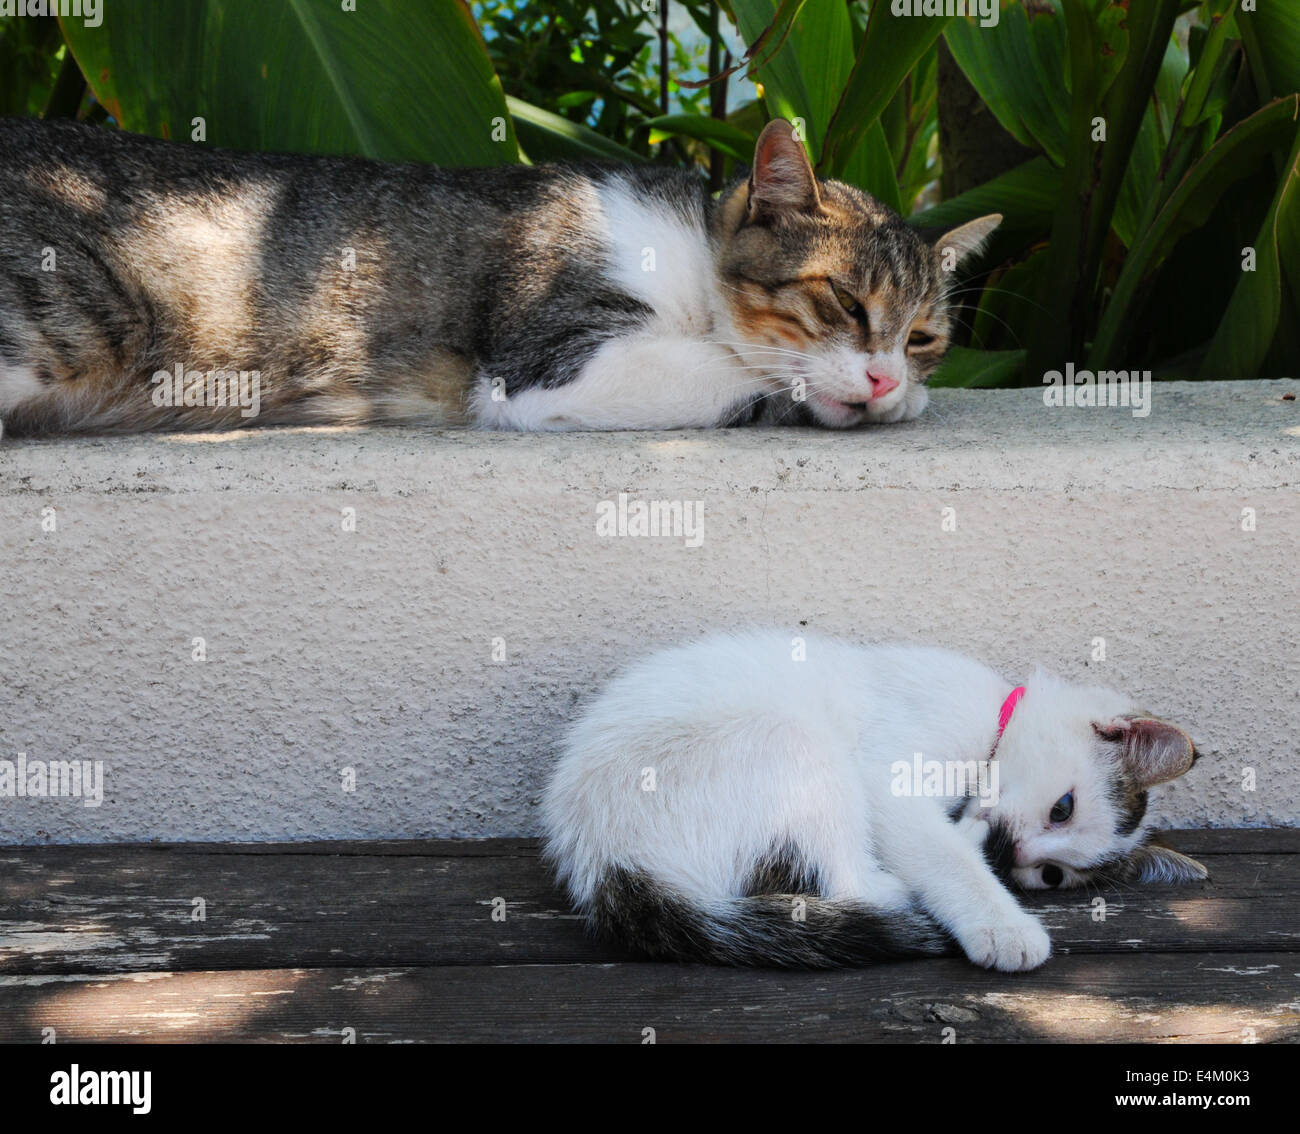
1004 714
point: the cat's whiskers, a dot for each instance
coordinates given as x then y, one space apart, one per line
756 348
992 315
1002 291
957 319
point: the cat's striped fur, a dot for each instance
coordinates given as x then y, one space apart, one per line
548 297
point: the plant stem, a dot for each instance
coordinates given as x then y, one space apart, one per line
663 56
717 97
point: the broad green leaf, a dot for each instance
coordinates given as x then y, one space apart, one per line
1018 69
1134 140
965 366
1250 324
552 137
1025 196
394 80
1139 178
803 78
722 136
1236 155
871 167
1065 273
803 63
1272 37
891 47
918 171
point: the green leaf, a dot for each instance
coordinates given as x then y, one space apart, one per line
1025 196
891 47
965 366
1236 155
552 137
1064 266
871 167
1250 324
1134 140
721 136
398 81
804 61
1272 37
803 79
1018 68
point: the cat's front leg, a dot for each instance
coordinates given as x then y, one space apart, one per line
648 382
909 407
943 863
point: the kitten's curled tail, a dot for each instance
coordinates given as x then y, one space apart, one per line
789 931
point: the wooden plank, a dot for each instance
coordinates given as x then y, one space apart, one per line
1175 998
1207 840
1236 840
124 909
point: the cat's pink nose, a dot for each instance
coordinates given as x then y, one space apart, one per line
880 385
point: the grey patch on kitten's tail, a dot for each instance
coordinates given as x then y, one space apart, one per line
760 931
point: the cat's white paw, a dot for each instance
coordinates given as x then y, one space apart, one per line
886 890
911 405
973 829
1011 947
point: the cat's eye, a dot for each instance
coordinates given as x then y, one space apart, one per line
851 305
1063 808
919 338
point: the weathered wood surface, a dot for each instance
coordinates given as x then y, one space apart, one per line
1228 998
397 941
119 909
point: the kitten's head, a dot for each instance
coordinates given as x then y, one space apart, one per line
1077 765
838 303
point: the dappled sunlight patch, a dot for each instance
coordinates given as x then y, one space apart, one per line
1083 1017
163 1007
69 187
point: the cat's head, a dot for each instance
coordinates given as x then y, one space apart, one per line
838 303
1077 767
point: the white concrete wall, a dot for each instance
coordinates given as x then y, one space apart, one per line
372 649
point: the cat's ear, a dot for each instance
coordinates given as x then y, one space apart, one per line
1154 751
1154 863
782 180
966 239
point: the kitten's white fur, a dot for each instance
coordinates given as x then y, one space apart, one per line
745 748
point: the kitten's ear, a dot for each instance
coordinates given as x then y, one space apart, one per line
1154 863
966 239
1154 751
782 179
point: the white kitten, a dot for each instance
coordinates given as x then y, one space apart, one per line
754 799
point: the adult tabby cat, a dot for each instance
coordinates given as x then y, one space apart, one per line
725 802
155 285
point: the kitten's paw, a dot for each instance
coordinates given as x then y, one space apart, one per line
1011 948
886 890
973 829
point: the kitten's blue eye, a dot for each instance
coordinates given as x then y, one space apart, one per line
1063 808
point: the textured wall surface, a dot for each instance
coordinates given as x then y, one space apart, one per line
372 649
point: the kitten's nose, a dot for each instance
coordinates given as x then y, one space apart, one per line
880 385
